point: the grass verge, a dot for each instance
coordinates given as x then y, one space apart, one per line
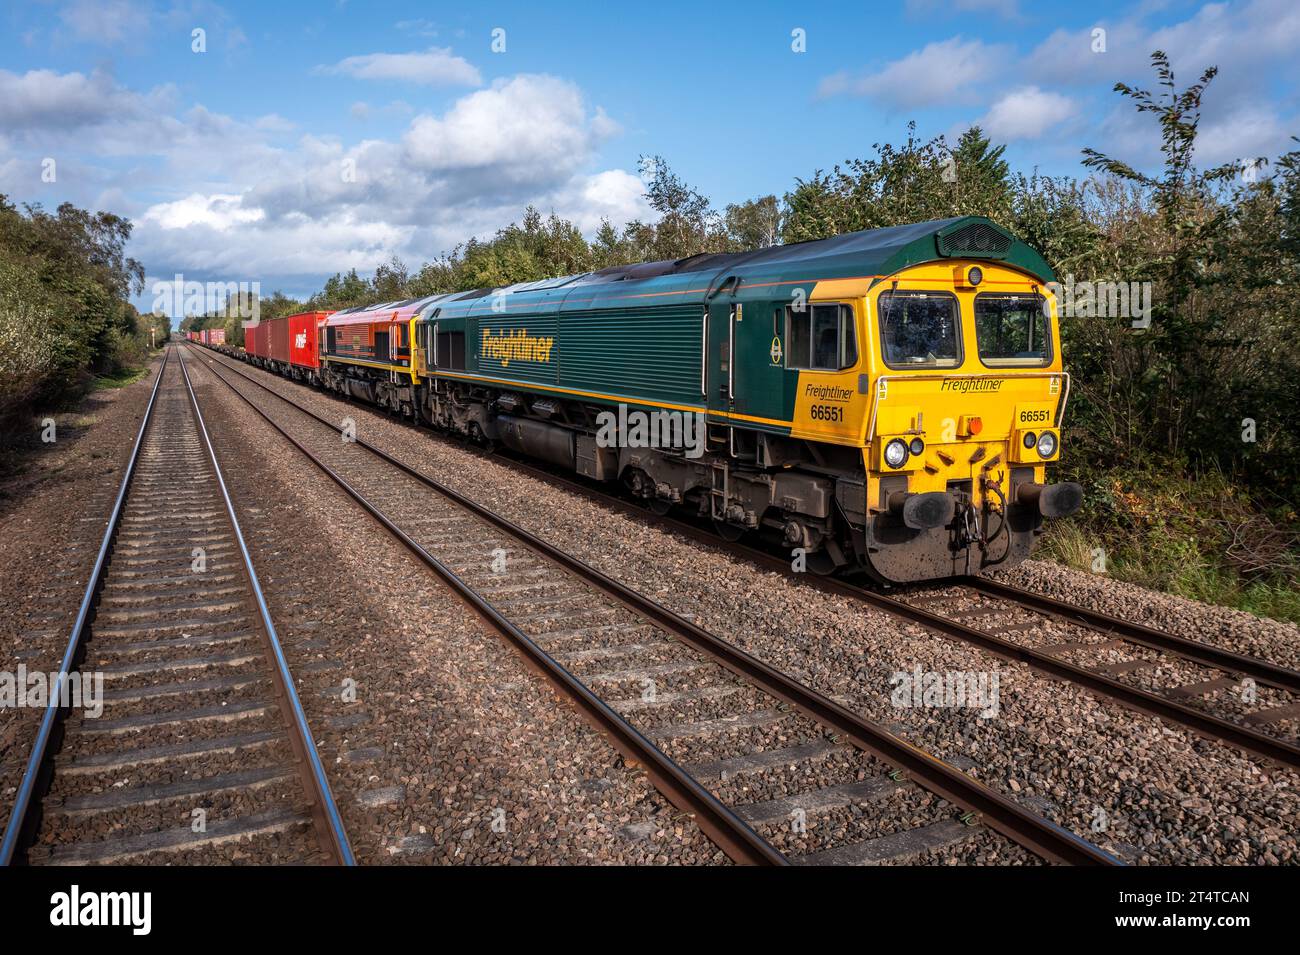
1202 538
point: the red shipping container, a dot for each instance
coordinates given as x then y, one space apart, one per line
304 338
250 338
277 348
217 336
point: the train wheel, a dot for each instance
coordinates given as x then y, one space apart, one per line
728 532
477 436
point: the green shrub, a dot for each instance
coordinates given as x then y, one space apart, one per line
1203 537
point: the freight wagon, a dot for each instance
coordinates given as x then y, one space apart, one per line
288 345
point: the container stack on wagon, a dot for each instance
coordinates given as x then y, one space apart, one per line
289 345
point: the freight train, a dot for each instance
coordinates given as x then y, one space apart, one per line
208 336
887 401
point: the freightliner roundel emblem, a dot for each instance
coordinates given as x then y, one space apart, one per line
776 351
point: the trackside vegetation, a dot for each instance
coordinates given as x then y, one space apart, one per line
65 314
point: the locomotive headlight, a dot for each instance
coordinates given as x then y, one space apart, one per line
1030 439
1046 444
975 276
896 453
917 446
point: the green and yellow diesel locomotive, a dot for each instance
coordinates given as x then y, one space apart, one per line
886 400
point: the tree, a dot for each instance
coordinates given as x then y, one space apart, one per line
755 224
392 281
687 224
1186 344
64 313
917 182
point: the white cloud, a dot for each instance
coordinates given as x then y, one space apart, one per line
106 21
1243 115
1241 135
1026 113
221 212
521 129
615 195
433 67
288 214
1240 39
940 72
275 123
43 99
418 27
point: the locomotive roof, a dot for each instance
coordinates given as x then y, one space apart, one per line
873 253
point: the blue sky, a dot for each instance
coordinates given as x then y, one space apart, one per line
309 138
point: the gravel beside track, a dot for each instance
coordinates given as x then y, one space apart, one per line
53 509
1146 791
450 732
1236 630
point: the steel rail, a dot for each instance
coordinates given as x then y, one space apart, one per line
1262 671
723 826
1144 701
1000 813
24 816
1135 698
329 823
1200 722
1206 724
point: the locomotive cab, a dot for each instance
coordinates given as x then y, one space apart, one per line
967 392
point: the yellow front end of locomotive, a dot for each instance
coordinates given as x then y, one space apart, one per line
966 396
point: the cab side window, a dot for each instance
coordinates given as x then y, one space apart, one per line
820 337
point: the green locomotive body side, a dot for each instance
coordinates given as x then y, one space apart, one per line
615 337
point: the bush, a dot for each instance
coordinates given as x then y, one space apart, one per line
1201 537
28 346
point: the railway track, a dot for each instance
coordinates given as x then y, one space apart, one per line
1187 682
201 752
1241 700
757 758
1221 695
